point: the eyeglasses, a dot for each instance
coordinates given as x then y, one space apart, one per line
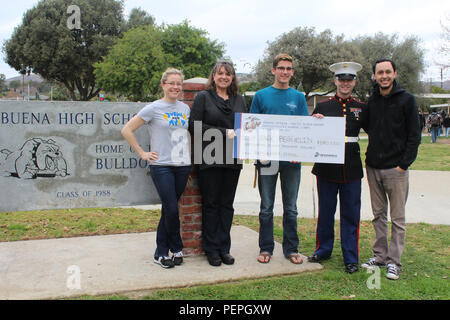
174 84
284 69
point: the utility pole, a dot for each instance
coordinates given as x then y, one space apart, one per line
443 68
23 88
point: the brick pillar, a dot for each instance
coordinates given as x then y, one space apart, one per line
190 89
190 204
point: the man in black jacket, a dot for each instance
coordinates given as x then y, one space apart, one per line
392 123
447 125
344 179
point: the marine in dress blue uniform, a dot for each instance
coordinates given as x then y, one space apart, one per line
343 179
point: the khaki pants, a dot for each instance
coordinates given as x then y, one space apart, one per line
389 184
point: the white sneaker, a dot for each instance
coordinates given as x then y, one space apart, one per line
392 271
372 264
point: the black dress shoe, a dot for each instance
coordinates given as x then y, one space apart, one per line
214 260
351 268
315 258
227 258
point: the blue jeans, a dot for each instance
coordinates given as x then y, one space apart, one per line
170 182
434 134
290 183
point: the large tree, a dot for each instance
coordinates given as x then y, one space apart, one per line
134 65
442 56
47 43
138 18
406 53
190 49
314 52
445 36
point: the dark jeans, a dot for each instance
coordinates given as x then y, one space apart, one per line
218 188
290 183
170 182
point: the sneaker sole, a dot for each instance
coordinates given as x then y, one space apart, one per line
392 276
372 267
163 266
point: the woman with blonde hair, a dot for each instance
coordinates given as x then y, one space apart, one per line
167 121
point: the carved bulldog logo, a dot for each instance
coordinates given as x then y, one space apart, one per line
36 158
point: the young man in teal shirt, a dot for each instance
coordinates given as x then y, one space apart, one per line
279 99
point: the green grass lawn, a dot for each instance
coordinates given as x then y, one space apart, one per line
45 224
431 156
426 257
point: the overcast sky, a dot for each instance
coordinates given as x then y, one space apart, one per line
245 26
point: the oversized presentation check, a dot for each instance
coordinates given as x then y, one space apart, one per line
289 138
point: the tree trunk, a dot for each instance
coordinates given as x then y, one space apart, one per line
86 89
72 95
71 88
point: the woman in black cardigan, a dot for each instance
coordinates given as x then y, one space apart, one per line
212 126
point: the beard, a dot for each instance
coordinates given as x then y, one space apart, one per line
384 87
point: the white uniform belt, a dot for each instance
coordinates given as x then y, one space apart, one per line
351 139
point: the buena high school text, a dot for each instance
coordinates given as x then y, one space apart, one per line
63 118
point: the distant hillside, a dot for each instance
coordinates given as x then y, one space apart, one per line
245 77
31 77
445 85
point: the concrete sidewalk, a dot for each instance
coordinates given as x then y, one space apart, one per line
58 268
428 200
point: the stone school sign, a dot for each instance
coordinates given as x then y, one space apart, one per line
70 155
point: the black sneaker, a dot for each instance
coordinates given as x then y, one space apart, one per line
164 262
177 258
215 261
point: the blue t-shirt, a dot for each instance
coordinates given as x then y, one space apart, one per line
271 100
168 129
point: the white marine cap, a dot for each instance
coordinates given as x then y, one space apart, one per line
345 70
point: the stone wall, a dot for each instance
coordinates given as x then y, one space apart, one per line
70 155
56 155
